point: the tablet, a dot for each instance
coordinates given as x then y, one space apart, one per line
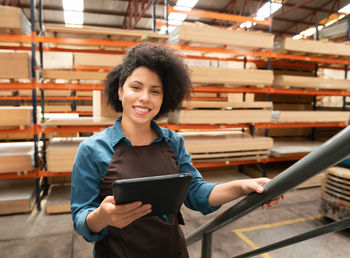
166 193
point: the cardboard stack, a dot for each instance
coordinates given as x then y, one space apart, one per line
226 145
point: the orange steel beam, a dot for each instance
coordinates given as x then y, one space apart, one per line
308 92
31 174
220 16
51 174
46 98
16 86
92 68
207 99
298 125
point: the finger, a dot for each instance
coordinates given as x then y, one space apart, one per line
132 217
124 208
263 180
131 213
108 199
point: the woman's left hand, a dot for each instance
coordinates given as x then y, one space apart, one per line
256 185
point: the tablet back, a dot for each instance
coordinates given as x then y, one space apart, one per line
166 193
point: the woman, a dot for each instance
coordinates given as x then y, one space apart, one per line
151 81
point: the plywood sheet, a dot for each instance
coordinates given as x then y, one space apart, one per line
16 196
79 121
16 157
219 116
316 47
214 142
61 153
310 82
207 34
15 116
73 75
14 65
58 199
13 19
310 116
87 59
293 148
230 76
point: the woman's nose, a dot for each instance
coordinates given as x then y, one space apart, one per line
144 95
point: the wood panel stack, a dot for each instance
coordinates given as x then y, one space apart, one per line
16 196
13 20
336 193
61 153
16 157
226 146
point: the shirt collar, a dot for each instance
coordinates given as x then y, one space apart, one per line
118 134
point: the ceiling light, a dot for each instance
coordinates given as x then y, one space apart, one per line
73 18
177 16
264 11
187 3
298 36
345 9
73 5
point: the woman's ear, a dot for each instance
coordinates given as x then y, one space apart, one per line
120 92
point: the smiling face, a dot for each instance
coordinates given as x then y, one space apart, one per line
141 96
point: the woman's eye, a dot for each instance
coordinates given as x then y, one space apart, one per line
135 87
156 92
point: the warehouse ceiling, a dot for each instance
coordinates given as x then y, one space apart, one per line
294 16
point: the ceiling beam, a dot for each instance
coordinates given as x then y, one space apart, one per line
291 8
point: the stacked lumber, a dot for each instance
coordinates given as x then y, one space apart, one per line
78 121
230 76
314 47
104 60
14 65
58 199
54 74
310 116
231 110
61 153
336 193
226 145
16 196
103 32
100 107
12 19
186 33
310 82
16 116
16 157
289 148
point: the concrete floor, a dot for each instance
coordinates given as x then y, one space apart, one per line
40 235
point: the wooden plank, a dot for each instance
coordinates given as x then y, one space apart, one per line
288 148
61 153
214 142
95 30
213 35
16 157
226 104
310 82
58 199
310 116
87 59
230 76
14 65
15 116
219 116
16 196
73 75
13 19
316 47
230 154
81 121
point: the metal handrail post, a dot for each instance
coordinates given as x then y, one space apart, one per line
332 227
206 245
328 154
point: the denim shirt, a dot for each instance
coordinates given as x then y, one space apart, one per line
91 164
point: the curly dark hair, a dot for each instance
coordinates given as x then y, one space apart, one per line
161 60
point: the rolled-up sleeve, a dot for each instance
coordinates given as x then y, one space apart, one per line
84 192
199 191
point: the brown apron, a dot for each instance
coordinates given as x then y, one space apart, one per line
148 236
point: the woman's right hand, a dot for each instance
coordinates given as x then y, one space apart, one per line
110 214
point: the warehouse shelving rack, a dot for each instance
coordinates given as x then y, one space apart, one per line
34 39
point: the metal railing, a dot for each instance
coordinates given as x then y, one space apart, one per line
328 154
